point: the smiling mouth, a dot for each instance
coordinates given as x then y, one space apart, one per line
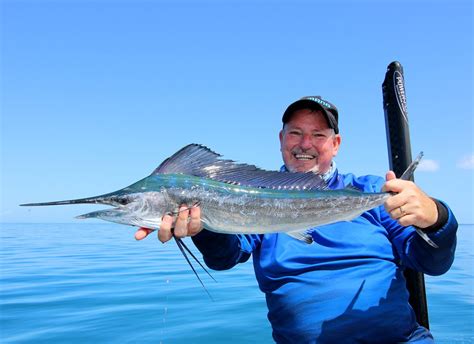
304 157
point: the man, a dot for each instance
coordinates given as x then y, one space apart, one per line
348 286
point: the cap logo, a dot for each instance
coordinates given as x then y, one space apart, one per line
319 101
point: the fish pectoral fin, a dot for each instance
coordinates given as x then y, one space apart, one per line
182 247
301 235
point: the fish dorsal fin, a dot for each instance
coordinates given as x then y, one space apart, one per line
200 161
188 160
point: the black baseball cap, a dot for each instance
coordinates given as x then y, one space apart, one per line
314 103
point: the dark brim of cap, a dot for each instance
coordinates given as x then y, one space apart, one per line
332 118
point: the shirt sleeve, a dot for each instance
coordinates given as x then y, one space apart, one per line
415 252
412 250
224 251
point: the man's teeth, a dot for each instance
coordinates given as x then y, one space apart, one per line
304 156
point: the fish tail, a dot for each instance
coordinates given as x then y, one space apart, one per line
426 237
408 174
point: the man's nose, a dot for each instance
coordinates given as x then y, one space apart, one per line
306 142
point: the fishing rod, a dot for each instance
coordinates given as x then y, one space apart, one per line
399 154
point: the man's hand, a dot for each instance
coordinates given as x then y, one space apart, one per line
410 206
187 223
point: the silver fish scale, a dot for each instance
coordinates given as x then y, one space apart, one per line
243 210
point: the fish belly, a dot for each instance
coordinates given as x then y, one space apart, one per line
251 214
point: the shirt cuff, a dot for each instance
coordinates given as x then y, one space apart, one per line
446 235
441 220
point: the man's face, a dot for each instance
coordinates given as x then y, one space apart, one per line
307 143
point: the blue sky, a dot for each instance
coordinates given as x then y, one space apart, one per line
95 94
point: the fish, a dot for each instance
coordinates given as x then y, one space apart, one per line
235 198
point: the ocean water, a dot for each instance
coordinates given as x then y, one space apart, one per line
84 283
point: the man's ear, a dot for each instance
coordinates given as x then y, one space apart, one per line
337 143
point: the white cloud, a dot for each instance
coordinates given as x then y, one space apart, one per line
466 162
428 165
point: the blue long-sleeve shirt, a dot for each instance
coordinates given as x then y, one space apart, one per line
348 286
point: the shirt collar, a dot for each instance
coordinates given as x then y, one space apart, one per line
326 176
